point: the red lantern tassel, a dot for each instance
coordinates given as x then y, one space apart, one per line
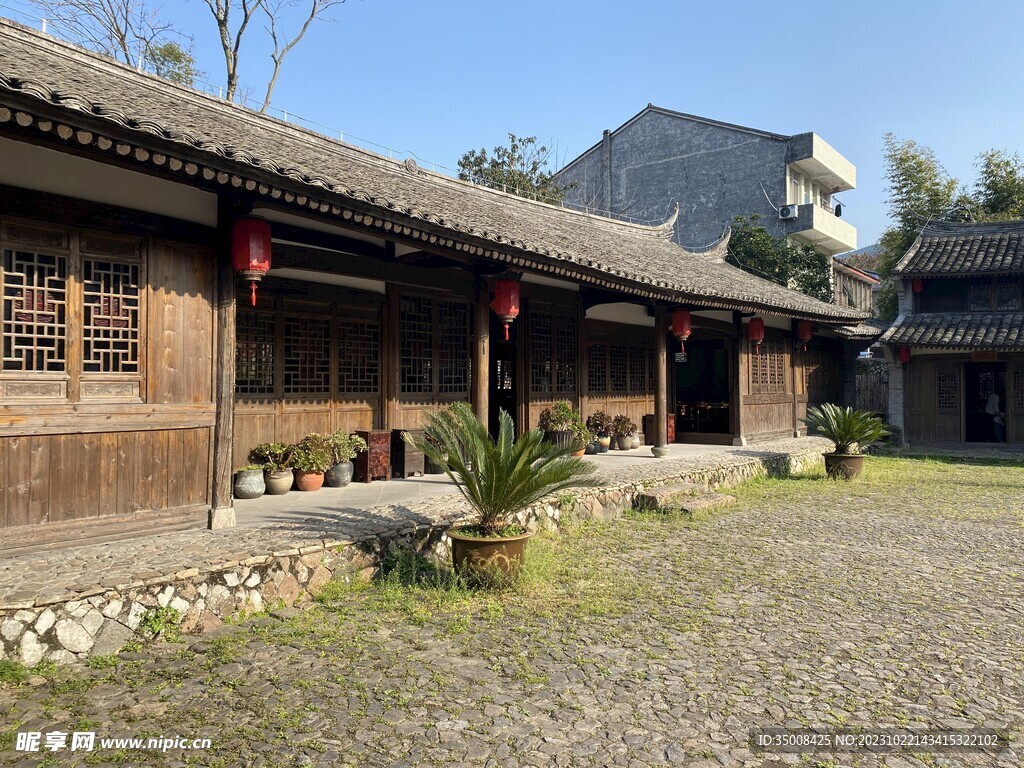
253 292
506 331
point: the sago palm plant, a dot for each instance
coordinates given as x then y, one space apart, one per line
851 430
498 477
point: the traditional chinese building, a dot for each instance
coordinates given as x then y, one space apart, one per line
959 336
140 365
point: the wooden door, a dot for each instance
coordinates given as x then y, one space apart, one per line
1015 403
934 401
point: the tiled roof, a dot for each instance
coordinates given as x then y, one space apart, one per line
945 248
238 140
868 329
999 330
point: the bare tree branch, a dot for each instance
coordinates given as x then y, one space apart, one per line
123 29
231 40
282 45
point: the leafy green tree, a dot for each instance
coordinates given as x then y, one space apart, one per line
753 249
522 168
169 60
999 190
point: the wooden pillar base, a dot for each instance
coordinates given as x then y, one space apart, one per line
222 518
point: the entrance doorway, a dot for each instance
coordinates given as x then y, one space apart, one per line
702 388
502 395
980 381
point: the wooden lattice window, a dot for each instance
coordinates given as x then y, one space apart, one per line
34 312
637 378
652 364
254 353
768 367
453 347
307 355
358 356
110 319
618 379
1018 390
552 353
541 348
947 391
416 325
565 355
597 369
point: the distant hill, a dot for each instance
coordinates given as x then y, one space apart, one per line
866 258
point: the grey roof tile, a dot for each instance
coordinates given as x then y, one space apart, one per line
968 330
946 248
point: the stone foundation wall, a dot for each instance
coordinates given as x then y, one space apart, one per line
101 623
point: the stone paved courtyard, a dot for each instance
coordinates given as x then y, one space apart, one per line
893 601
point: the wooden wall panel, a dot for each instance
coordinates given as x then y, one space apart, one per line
766 418
296 423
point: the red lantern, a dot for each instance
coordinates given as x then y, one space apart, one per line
250 250
904 354
755 333
682 325
804 332
506 301
917 284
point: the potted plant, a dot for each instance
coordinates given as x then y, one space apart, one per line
851 431
622 429
557 422
581 437
600 423
311 458
342 448
430 466
508 474
249 483
275 458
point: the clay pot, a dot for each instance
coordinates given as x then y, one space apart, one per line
844 466
561 439
604 442
339 475
580 452
592 448
430 467
249 484
279 481
489 560
624 442
308 481
635 440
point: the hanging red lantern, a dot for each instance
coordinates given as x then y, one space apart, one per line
250 250
804 332
682 326
904 354
917 284
755 333
506 301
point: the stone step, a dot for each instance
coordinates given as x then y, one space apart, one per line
655 499
706 502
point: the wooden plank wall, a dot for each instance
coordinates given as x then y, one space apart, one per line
768 415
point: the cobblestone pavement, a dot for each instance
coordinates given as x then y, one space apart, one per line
891 601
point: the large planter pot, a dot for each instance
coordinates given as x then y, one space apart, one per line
308 481
487 560
279 481
592 448
635 440
844 465
560 439
624 443
604 442
339 475
249 484
431 467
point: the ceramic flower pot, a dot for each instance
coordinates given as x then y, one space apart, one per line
635 440
339 475
624 442
308 481
279 481
561 439
604 442
249 484
844 466
593 447
487 559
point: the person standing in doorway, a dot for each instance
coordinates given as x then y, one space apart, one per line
993 408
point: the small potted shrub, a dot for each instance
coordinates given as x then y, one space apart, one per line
275 458
508 475
623 429
600 423
851 431
342 448
249 483
582 438
311 458
557 422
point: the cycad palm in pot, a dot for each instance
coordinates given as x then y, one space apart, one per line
499 478
851 431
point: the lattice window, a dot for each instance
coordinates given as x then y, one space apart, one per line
453 347
597 369
110 322
416 324
1006 294
1018 390
34 312
636 370
541 348
652 364
254 353
565 356
768 367
307 355
618 379
947 391
358 356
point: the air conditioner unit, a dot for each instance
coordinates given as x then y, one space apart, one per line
788 212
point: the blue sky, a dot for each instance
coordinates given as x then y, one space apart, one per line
437 78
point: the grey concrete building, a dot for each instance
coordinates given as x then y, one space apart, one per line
715 171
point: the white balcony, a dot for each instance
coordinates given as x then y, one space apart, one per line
820 227
818 161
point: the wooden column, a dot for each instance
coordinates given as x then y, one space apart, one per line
222 512
736 383
392 357
795 370
482 353
660 448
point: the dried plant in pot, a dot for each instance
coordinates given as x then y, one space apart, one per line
342 448
499 478
851 431
623 429
600 423
275 458
311 458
